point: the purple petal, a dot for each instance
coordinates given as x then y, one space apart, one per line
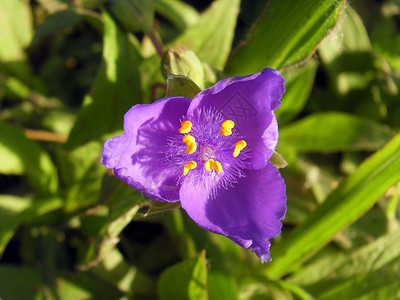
138 155
250 213
249 101
262 148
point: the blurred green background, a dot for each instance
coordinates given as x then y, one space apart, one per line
69 70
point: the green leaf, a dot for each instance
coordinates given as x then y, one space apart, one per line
82 173
277 160
15 211
299 83
20 155
116 89
185 63
13 278
15 35
104 223
158 207
116 271
133 15
334 131
288 32
349 201
181 86
371 272
57 21
153 81
185 280
174 223
178 13
347 54
211 38
221 286
348 36
85 286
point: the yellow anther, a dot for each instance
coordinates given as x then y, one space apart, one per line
209 164
190 144
217 166
227 126
236 152
189 139
186 127
213 164
189 166
239 146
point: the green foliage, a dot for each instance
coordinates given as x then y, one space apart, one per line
351 199
20 155
186 280
341 133
278 40
69 70
211 37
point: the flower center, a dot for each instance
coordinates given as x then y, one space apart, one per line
207 153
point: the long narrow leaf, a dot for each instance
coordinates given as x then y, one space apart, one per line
211 38
334 131
349 201
288 32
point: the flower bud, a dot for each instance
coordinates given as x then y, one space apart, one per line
185 63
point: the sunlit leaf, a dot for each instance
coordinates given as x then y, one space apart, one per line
277 160
16 211
184 63
370 272
15 35
288 32
178 12
211 38
115 90
299 82
350 200
181 86
20 155
334 131
185 280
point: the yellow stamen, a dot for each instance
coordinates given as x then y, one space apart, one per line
213 164
209 164
239 146
227 126
186 127
217 166
236 152
189 166
190 142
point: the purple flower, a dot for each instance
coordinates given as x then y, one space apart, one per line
212 154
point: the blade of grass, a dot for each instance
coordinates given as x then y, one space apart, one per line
288 32
350 200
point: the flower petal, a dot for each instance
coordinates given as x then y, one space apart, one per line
261 149
250 213
138 155
249 101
